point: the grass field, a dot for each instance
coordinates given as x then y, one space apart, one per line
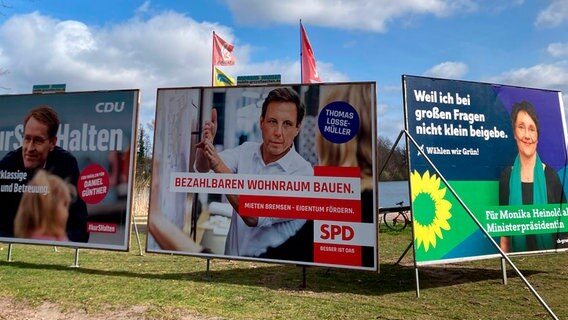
172 285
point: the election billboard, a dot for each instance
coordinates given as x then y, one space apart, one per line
270 173
502 149
66 168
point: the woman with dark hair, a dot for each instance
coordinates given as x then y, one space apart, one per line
529 180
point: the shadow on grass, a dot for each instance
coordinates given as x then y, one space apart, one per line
391 279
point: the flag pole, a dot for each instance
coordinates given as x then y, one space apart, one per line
212 62
301 58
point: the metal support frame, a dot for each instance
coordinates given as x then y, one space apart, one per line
405 251
10 253
411 244
504 256
140 253
208 269
76 260
504 271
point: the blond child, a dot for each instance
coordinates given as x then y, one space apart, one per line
43 211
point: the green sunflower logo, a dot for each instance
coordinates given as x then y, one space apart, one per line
432 210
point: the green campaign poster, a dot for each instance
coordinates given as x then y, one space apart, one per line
502 149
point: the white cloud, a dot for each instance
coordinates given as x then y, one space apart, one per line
167 49
448 69
390 111
544 76
372 15
390 120
144 7
130 54
558 49
553 15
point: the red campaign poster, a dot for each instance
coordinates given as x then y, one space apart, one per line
270 173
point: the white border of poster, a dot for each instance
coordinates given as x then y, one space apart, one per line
92 154
478 135
315 205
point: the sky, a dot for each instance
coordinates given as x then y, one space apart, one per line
146 45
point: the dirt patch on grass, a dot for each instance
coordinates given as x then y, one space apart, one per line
13 310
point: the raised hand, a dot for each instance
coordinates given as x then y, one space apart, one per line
209 130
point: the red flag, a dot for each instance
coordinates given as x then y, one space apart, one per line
309 72
222 52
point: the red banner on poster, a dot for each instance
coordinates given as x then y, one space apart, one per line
337 254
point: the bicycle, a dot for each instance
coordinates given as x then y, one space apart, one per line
395 218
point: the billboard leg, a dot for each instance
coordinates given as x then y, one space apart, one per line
405 251
76 261
303 277
10 252
140 253
504 270
417 282
207 271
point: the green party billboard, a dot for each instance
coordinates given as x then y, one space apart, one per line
502 149
66 168
271 173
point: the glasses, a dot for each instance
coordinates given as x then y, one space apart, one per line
36 141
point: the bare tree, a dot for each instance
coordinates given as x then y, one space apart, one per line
397 166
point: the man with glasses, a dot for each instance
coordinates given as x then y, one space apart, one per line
39 151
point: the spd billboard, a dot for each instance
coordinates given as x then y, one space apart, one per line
270 173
